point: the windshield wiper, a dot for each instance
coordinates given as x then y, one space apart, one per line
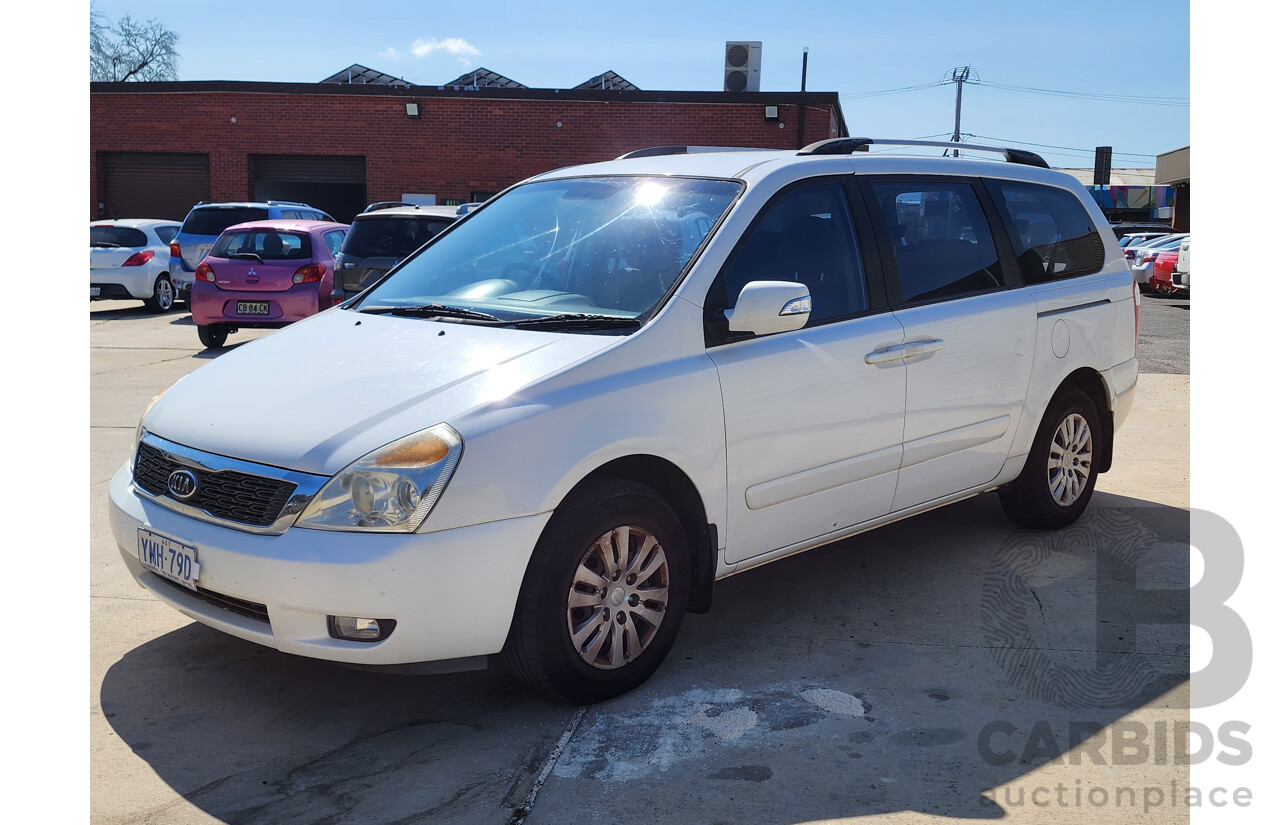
579 320
432 311
248 256
105 245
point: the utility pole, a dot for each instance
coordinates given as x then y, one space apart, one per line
804 76
958 76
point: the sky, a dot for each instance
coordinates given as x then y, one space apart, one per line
1088 75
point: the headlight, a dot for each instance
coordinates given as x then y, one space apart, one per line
392 489
137 434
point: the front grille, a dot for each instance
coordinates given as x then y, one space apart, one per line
252 610
224 494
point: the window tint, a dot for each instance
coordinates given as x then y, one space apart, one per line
166 233
334 240
212 221
267 244
806 237
391 237
940 239
109 236
1052 234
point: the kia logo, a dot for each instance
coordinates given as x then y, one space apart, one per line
182 483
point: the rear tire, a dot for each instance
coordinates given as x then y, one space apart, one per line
213 336
1058 479
604 594
162 295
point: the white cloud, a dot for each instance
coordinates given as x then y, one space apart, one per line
390 53
456 46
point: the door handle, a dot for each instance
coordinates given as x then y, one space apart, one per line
884 355
917 348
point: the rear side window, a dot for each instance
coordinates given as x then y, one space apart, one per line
266 244
166 233
213 221
109 236
1052 233
333 240
391 237
942 246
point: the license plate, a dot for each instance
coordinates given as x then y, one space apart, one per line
171 559
95 291
253 308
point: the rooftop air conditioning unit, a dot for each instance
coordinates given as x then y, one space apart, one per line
742 66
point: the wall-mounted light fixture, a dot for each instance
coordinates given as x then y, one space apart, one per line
411 109
770 113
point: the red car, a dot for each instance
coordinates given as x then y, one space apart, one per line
1161 279
264 274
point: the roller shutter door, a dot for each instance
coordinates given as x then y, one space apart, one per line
333 183
152 184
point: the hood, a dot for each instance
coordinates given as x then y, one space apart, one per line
321 393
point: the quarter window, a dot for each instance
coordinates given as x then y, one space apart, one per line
1052 233
806 237
941 242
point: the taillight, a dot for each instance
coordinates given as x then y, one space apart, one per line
140 258
204 272
1146 259
175 250
308 274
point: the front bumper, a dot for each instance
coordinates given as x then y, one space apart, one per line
452 593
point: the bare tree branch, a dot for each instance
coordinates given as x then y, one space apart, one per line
130 50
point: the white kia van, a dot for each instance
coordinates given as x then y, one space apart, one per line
548 432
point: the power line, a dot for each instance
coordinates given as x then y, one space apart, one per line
1051 146
1146 100
859 95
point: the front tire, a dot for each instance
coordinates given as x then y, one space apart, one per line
213 336
1058 479
162 295
604 594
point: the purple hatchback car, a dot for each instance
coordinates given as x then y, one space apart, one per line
264 274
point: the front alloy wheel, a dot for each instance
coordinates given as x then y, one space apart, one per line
603 596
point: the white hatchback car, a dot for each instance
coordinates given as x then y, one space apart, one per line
129 259
556 425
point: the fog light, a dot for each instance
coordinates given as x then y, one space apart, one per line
356 629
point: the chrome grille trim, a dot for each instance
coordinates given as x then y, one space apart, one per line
306 485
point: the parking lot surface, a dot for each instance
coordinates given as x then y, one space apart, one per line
945 667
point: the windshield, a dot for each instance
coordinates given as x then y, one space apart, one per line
588 246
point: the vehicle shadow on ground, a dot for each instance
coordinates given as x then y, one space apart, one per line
913 668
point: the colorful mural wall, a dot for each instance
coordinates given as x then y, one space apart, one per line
1151 198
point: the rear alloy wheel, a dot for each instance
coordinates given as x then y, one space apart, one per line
604 595
213 336
162 296
1058 480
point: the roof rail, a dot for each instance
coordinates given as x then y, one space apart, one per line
845 146
374 207
655 151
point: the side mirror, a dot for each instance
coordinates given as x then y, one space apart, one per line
766 307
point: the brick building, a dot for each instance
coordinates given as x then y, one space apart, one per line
158 148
